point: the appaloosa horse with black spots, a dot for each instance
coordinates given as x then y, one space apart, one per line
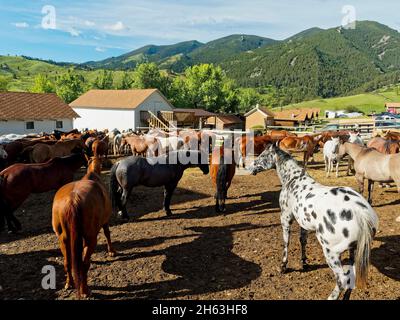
342 218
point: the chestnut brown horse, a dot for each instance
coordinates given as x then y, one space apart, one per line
278 135
100 147
80 210
384 146
18 181
40 153
222 171
307 144
141 145
258 144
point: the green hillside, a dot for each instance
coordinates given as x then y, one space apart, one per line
324 63
366 103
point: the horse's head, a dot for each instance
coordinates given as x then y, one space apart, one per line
265 161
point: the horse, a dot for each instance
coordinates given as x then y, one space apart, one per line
40 153
353 138
384 146
18 181
100 147
331 149
325 136
138 145
222 173
80 210
307 144
392 135
165 170
341 218
372 165
278 135
257 144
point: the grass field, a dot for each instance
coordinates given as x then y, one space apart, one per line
366 103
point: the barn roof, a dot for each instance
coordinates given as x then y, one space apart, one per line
392 105
197 112
229 118
115 99
33 106
264 110
292 115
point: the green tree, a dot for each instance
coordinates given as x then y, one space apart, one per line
3 83
205 86
69 86
104 80
126 82
248 98
148 75
42 85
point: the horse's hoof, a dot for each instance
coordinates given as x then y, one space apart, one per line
168 213
112 253
283 269
305 266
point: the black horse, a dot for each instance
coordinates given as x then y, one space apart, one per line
165 171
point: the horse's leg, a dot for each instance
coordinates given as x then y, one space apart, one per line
286 220
65 250
303 242
351 261
122 204
90 245
110 249
333 260
326 165
370 190
360 180
169 189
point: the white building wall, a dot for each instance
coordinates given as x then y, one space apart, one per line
19 127
100 119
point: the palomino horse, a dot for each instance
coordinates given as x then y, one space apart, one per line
80 210
40 153
306 144
257 144
18 181
372 165
222 171
165 170
341 218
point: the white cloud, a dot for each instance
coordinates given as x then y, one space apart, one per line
119 26
21 25
74 32
88 23
99 49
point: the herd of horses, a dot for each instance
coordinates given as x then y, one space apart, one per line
82 208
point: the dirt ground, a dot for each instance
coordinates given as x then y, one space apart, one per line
196 253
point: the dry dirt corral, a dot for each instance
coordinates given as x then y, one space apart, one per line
198 254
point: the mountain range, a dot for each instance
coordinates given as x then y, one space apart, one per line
313 63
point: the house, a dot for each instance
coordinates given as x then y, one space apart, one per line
393 107
295 117
121 109
24 113
225 122
259 117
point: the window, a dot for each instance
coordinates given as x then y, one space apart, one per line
59 124
30 125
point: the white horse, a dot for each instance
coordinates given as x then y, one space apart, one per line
331 148
341 218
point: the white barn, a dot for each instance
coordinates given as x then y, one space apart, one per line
25 113
121 109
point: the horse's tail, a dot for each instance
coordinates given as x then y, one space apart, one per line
368 223
221 180
73 223
114 186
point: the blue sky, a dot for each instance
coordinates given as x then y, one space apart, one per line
94 30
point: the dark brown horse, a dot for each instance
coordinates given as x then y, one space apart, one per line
222 171
100 147
80 210
18 181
